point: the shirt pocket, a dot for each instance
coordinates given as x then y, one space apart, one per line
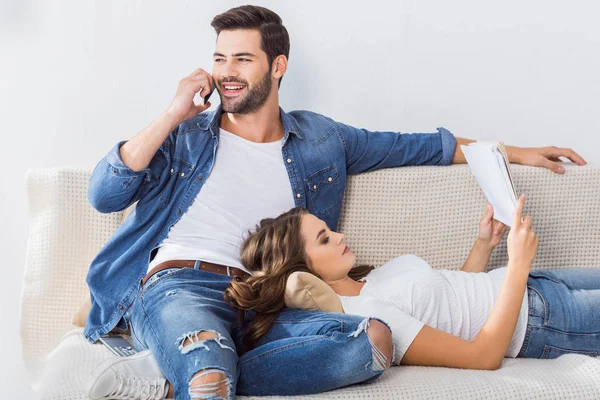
179 172
324 191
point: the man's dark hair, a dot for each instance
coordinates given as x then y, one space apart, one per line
274 37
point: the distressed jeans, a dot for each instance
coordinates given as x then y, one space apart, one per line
304 352
564 313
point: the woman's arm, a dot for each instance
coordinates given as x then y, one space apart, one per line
478 257
436 348
489 234
486 351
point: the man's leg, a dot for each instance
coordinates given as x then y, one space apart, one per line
183 319
311 352
186 323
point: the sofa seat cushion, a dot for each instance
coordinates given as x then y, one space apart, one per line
570 376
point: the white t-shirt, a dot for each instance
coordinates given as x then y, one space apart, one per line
407 293
248 182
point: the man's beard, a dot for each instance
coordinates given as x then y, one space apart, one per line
254 99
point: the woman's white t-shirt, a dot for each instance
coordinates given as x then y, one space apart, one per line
407 293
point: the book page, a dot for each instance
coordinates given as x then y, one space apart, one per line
488 166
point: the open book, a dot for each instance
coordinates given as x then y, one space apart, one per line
490 166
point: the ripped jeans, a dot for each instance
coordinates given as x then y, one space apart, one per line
304 352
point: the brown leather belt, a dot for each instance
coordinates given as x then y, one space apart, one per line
205 266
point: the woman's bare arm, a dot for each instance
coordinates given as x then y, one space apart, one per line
478 258
489 234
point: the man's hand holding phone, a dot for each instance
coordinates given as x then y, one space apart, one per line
183 107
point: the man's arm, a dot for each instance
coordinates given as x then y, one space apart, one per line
137 152
478 258
115 184
546 157
133 167
369 150
459 157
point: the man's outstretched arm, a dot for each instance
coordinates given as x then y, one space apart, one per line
547 157
369 151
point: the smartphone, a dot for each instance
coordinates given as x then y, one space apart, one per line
210 94
118 345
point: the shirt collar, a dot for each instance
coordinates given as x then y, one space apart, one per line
211 122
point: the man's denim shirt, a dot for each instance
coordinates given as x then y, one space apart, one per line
318 154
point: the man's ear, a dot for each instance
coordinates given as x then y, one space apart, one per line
279 66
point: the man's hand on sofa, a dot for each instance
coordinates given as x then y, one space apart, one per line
546 157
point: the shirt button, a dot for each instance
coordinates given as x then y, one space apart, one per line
330 179
172 170
200 179
315 187
115 171
298 195
121 307
183 174
289 160
178 211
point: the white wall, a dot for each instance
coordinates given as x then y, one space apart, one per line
77 76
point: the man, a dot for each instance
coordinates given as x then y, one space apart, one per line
163 273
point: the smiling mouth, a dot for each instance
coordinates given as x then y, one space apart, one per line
232 90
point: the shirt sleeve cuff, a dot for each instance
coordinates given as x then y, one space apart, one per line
117 167
448 146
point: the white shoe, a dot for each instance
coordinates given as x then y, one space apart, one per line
134 377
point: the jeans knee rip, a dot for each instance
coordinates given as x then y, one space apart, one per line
200 343
379 362
210 390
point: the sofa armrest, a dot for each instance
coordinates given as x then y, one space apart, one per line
65 234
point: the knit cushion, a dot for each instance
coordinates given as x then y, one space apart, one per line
81 315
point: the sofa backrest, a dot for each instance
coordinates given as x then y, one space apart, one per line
434 212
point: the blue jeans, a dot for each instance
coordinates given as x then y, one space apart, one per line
305 352
564 313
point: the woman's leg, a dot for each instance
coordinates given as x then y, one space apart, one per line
564 313
184 320
312 352
573 278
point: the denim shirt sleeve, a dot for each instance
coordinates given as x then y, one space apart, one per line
369 151
114 186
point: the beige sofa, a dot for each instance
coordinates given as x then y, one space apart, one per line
429 211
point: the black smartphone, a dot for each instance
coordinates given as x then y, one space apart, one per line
209 94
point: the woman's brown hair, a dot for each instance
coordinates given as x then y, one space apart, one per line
272 253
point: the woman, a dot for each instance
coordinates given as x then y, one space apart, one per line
462 319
